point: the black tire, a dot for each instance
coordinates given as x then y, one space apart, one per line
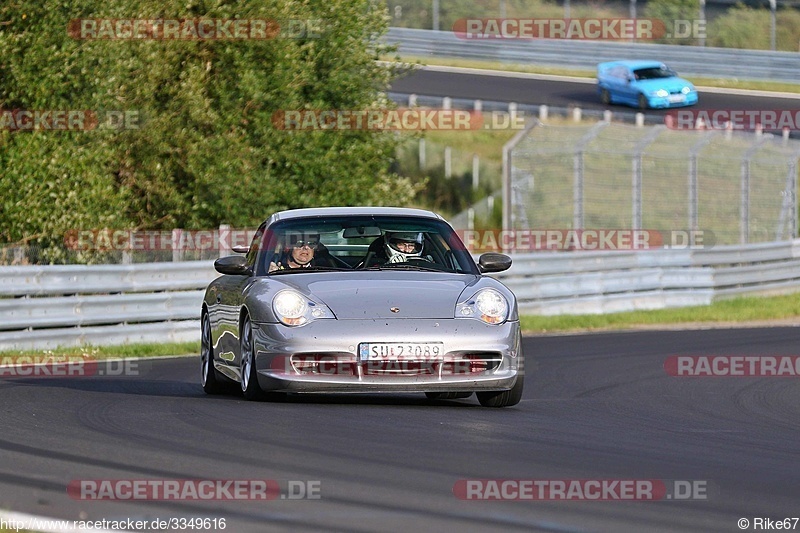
505 398
447 395
643 103
209 379
605 97
250 388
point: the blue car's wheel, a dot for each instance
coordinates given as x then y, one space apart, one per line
643 103
605 97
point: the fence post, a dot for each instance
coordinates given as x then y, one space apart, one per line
693 153
577 171
448 162
508 164
637 173
422 161
476 168
744 200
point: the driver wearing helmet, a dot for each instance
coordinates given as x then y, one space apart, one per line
403 245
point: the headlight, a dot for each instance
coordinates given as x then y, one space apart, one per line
686 90
662 93
293 309
487 305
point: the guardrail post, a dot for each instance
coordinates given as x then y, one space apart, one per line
448 162
422 161
476 169
177 245
225 240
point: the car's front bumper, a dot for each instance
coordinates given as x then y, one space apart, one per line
658 102
466 343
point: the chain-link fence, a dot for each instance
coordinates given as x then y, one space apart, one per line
741 186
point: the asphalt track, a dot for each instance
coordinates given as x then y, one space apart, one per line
595 407
559 92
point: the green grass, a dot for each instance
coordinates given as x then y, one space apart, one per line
738 310
109 352
750 85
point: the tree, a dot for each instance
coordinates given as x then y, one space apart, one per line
206 151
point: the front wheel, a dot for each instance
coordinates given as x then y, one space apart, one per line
250 387
208 374
643 103
605 97
505 398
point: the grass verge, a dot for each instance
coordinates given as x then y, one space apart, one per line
110 352
729 312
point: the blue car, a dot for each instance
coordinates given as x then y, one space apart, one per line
643 84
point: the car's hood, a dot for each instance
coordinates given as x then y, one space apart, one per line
669 84
373 295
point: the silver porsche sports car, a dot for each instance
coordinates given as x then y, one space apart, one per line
361 299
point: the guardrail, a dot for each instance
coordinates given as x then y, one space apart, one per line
689 60
44 307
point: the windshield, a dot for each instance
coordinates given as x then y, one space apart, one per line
654 73
359 243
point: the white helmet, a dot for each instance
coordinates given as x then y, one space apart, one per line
402 245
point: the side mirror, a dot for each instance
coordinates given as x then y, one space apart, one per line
240 249
494 262
234 265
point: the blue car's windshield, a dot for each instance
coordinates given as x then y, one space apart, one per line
653 73
362 242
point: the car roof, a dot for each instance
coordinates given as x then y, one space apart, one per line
632 64
351 211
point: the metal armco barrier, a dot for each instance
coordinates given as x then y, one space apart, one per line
48 306
688 60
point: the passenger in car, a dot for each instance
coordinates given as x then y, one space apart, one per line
298 252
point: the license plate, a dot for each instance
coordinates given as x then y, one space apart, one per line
411 351
676 98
